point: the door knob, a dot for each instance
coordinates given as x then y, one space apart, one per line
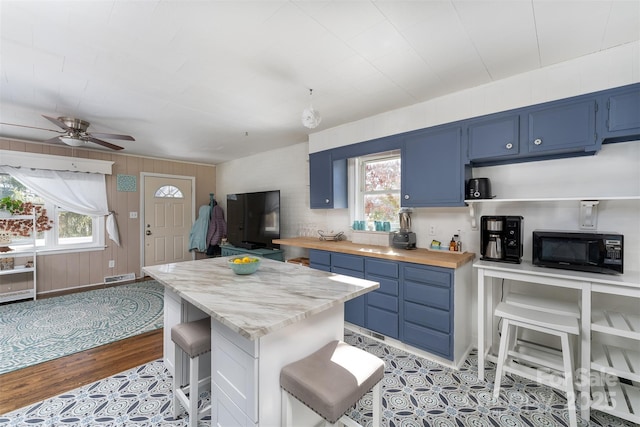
148 232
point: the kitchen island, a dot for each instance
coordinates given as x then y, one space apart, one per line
259 323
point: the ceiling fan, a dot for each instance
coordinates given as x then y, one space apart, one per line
75 133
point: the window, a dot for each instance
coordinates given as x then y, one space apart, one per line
69 230
169 191
377 195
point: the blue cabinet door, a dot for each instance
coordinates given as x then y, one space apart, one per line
432 168
622 118
354 310
327 181
562 128
494 138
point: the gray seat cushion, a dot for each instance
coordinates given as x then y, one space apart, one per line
332 379
193 337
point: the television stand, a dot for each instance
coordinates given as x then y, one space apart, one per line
249 245
230 250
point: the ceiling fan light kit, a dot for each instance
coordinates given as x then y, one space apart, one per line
310 117
72 141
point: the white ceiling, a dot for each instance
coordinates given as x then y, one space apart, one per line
211 81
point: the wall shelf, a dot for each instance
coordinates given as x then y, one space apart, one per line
473 202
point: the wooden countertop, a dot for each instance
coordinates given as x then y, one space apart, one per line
417 256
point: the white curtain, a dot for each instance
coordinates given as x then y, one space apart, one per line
83 193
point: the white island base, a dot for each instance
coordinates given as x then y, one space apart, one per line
244 370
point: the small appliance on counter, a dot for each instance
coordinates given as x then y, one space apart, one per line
479 188
572 250
501 238
404 238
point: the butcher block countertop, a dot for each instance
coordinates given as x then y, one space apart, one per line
417 256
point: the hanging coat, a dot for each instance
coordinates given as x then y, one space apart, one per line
217 226
198 236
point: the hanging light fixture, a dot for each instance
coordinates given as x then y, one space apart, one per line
310 117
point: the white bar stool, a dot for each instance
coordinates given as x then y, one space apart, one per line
194 340
533 362
330 381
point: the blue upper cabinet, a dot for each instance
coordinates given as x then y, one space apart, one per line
562 128
622 116
432 168
493 138
327 181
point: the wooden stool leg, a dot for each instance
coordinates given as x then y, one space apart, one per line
194 391
567 359
502 356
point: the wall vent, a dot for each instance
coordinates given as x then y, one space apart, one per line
378 336
119 278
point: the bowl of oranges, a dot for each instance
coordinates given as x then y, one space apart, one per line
244 264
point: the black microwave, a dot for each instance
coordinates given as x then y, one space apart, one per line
592 252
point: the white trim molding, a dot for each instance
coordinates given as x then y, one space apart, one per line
23 159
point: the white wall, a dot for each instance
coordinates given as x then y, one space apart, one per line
613 171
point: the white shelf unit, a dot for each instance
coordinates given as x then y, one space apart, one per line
22 248
596 199
615 366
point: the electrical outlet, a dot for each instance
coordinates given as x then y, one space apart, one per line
432 230
133 215
112 263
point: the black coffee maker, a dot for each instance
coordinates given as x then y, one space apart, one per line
501 238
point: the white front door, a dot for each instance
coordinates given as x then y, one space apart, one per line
168 217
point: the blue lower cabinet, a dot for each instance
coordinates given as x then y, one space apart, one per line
427 339
354 310
427 309
414 303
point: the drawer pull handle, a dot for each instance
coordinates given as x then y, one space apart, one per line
537 141
509 146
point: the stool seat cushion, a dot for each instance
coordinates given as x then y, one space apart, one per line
332 379
194 338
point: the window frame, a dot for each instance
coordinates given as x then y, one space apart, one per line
50 243
356 167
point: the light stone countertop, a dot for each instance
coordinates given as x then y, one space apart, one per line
277 295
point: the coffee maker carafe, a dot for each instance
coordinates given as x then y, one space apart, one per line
501 238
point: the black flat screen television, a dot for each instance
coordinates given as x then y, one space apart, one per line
253 219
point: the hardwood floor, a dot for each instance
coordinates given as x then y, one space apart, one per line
33 384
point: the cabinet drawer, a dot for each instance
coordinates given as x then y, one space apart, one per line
382 321
350 262
225 413
433 275
429 317
350 273
382 268
432 296
321 267
319 257
427 339
387 286
388 302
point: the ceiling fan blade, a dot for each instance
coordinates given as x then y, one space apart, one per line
112 136
103 143
57 122
30 127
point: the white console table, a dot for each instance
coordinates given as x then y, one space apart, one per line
596 357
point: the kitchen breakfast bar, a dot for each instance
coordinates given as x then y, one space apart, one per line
259 323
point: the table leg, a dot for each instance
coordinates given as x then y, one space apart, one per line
584 368
481 323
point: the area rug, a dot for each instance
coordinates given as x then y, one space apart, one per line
33 332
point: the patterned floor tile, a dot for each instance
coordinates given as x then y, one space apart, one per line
416 393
